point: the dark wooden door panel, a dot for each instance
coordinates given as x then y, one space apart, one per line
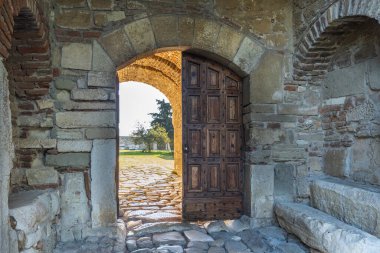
212 127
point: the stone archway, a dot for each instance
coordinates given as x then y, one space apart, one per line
313 43
25 74
338 57
162 70
135 40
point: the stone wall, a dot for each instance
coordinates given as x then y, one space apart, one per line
351 108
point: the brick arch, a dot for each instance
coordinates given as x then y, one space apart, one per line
223 43
162 71
320 42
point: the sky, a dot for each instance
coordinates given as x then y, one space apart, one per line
137 100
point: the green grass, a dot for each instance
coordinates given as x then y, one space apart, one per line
167 155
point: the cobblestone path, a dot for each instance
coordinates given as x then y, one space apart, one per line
149 190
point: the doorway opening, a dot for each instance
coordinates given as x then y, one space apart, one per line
150 140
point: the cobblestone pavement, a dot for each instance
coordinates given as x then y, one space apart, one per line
149 190
232 236
150 196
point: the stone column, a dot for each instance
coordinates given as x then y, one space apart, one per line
6 155
259 187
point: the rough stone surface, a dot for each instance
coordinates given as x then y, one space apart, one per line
196 236
74 19
89 94
103 193
85 119
101 79
100 59
42 176
68 159
248 55
205 33
141 35
260 180
268 79
355 204
100 133
323 232
77 56
169 238
74 207
74 146
113 49
165 30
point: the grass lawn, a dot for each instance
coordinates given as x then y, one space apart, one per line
167 155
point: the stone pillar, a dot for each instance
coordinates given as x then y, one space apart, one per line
6 155
259 187
103 188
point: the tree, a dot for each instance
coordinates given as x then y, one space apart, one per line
164 117
147 137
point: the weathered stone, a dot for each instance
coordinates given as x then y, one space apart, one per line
165 30
216 226
64 84
101 61
37 143
228 42
335 162
264 136
119 52
71 3
74 19
248 55
74 146
114 16
169 238
100 133
205 33
236 247
355 204
284 153
235 226
144 242
89 94
45 104
85 119
131 245
267 78
170 249
103 189
216 250
42 176
186 31
101 4
284 180
77 56
79 106
141 35
297 109
74 206
196 236
101 79
254 241
346 81
323 232
373 74
260 188
69 159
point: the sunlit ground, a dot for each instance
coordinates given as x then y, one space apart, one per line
149 189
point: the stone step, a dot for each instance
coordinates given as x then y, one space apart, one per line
355 204
323 232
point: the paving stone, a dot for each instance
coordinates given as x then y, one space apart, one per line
195 250
254 241
197 244
170 249
236 247
216 250
291 248
236 226
131 245
196 236
169 238
217 243
144 242
216 226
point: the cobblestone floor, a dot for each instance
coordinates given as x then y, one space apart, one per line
150 196
149 190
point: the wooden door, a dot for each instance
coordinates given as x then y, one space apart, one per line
212 140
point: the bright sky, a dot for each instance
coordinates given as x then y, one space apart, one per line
137 100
